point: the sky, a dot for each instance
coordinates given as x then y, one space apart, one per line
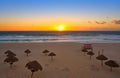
50 15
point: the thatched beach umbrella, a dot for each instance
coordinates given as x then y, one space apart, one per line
102 58
10 53
52 54
45 52
11 60
84 50
90 53
111 64
27 51
33 66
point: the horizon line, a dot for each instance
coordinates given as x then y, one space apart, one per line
66 31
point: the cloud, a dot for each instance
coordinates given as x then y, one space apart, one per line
98 22
115 21
89 22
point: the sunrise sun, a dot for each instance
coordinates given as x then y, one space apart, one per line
61 28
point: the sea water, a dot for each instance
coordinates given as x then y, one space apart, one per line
61 36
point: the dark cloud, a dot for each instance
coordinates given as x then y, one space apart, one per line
103 22
115 21
89 22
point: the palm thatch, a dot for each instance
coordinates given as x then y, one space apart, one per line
84 50
90 53
27 51
33 66
10 53
11 60
45 52
102 58
111 64
52 54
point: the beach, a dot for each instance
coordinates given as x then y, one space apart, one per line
69 62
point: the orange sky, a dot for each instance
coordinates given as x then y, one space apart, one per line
83 26
50 24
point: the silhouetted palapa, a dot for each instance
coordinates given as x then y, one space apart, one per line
84 50
102 58
11 60
45 52
111 64
27 51
90 53
10 53
52 54
33 66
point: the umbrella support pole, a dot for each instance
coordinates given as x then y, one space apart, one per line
32 74
90 57
51 58
101 62
11 65
110 68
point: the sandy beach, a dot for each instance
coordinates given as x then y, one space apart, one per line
69 61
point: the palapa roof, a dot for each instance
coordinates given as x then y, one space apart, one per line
27 51
112 63
10 53
84 50
101 57
45 51
52 54
11 59
33 65
91 53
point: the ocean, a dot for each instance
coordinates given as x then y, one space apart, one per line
56 36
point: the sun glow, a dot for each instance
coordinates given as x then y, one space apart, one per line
61 28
